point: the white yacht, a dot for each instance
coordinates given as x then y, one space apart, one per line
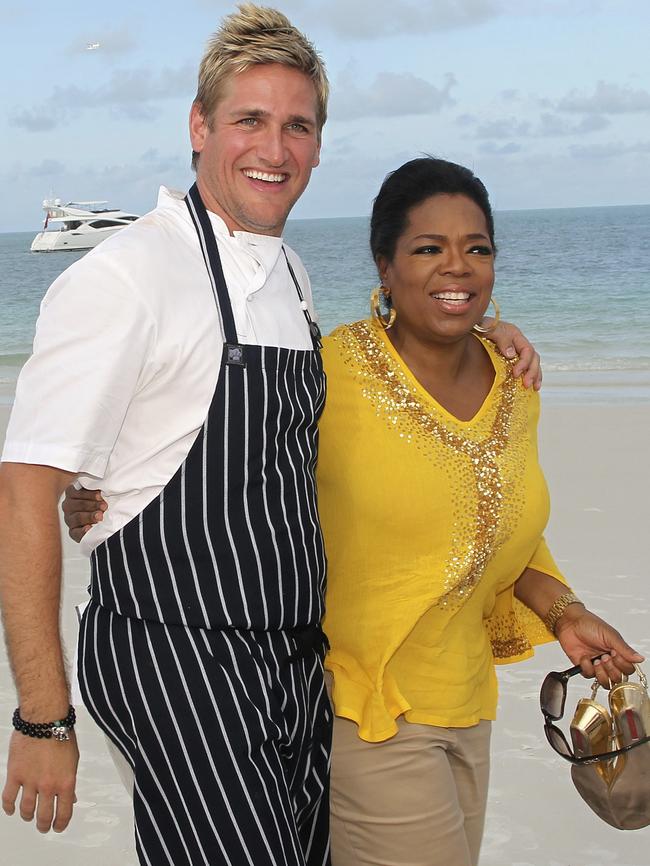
78 225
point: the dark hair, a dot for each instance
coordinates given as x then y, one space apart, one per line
410 185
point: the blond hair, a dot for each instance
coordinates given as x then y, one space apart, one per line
253 36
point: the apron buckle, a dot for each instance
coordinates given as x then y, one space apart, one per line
235 354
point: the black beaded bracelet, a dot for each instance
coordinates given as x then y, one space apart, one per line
59 730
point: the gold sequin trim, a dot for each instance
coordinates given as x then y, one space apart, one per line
507 636
483 461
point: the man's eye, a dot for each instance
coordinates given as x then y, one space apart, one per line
298 127
248 121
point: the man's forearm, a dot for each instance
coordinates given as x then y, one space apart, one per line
30 587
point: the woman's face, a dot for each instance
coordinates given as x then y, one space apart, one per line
442 273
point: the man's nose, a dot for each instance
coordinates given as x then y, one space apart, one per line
271 147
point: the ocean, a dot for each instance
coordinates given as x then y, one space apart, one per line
577 281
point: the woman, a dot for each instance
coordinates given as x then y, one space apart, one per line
433 506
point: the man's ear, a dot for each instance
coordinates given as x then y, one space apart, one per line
316 160
199 127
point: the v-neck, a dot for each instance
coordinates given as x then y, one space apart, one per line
426 397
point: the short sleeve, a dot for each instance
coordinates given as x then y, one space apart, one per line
92 352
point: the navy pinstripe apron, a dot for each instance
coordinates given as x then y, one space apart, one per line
201 654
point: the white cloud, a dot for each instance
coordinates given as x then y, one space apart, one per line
506 127
491 148
368 19
49 168
549 125
552 125
607 99
609 150
391 94
128 92
373 19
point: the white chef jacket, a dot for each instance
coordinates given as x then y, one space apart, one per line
127 353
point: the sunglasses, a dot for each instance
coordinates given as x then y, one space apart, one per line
552 698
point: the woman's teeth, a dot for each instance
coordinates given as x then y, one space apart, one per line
453 297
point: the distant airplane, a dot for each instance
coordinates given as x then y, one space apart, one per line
92 46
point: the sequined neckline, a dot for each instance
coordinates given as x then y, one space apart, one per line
476 452
428 398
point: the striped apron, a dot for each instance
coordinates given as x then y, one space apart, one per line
201 654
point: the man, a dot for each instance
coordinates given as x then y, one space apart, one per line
188 385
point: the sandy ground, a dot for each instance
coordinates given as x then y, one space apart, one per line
597 463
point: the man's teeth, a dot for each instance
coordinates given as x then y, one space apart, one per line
452 296
262 175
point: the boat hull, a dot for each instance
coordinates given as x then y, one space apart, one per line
55 241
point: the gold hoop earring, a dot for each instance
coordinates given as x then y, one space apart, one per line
497 315
375 310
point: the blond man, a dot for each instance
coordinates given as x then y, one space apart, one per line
194 395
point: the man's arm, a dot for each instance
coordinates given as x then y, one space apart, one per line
30 591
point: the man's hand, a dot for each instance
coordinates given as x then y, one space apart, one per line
46 772
512 343
81 510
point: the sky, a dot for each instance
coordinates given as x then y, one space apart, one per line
548 101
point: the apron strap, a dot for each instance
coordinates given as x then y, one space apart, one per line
212 260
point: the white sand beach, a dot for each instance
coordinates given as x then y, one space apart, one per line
597 464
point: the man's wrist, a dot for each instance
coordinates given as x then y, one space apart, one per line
52 704
55 729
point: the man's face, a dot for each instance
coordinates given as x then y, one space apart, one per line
258 149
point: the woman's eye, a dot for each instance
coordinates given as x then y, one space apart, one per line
481 250
429 249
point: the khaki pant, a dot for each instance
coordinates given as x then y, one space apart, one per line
417 799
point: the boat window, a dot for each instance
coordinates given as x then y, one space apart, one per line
104 224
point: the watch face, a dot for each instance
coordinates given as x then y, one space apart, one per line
60 733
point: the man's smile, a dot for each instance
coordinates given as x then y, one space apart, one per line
256 174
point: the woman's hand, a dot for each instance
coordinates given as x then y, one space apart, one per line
512 343
583 635
82 509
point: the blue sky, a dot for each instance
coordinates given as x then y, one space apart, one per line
549 102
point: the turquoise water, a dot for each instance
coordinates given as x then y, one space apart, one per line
577 281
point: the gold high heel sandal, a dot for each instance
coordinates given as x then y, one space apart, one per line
630 708
592 733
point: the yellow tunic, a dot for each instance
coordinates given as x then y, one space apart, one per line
428 522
